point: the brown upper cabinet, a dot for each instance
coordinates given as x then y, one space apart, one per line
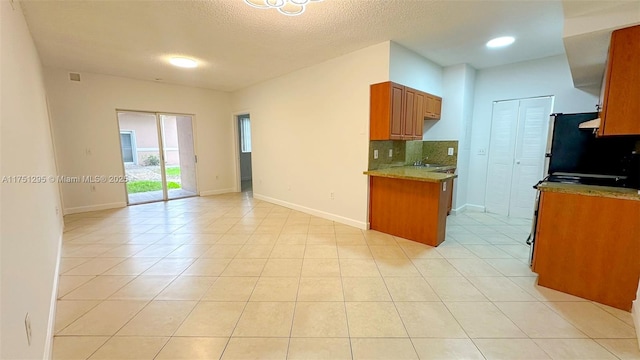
433 107
397 112
620 112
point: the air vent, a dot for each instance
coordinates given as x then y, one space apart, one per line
74 76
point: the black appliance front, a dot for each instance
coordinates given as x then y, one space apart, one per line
575 150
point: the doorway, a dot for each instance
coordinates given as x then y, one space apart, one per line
519 131
158 156
244 141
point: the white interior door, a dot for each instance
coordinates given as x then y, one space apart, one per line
519 131
501 149
531 142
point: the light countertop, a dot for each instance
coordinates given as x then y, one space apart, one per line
591 190
417 173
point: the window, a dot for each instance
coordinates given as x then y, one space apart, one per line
245 135
127 141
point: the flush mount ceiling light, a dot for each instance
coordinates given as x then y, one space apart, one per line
500 42
286 7
183 62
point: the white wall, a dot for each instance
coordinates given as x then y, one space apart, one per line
310 134
31 229
86 133
411 69
548 76
455 123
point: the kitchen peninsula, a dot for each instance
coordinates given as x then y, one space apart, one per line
410 202
587 242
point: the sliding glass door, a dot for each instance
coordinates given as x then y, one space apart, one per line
158 156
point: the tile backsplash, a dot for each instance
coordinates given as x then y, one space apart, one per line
384 161
436 152
408 152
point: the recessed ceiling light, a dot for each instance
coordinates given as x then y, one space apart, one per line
500 41
183 62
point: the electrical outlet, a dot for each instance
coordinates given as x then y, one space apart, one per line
450 151
57 210
27 328
332 196
375 154
390 152
289 187
482 151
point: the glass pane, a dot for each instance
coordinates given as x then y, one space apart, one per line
139 136
179 155
127 148
245 135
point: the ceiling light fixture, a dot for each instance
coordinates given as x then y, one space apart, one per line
500 42
286 7
183 62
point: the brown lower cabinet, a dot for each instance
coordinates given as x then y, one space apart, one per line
411 209
589 246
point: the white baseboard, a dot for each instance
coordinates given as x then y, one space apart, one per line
314 212
48 344
81 209
459 210
475 208
635 312
216 192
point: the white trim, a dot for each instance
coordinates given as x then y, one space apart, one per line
475 208
325 215
635 312
81 209
217 192
459 210
156 149
48 344
236 148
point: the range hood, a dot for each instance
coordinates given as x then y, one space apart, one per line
591 124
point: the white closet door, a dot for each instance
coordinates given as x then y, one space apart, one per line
501 151
531 142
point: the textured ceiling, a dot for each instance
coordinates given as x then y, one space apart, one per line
238 45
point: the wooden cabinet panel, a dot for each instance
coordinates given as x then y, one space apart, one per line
588 246
433 107
450 205
414 210
397 116
419 114
386 101
397 112
620 113
409 114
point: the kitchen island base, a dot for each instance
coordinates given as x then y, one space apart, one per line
588 246
414 210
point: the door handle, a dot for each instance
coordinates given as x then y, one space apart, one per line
518 162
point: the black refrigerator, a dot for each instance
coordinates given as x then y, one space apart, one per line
576 155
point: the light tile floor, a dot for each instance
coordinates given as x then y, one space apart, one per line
231 277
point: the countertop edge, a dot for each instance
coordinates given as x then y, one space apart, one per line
591 190
428 176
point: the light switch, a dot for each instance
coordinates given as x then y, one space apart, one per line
375 154
390 152
450 151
